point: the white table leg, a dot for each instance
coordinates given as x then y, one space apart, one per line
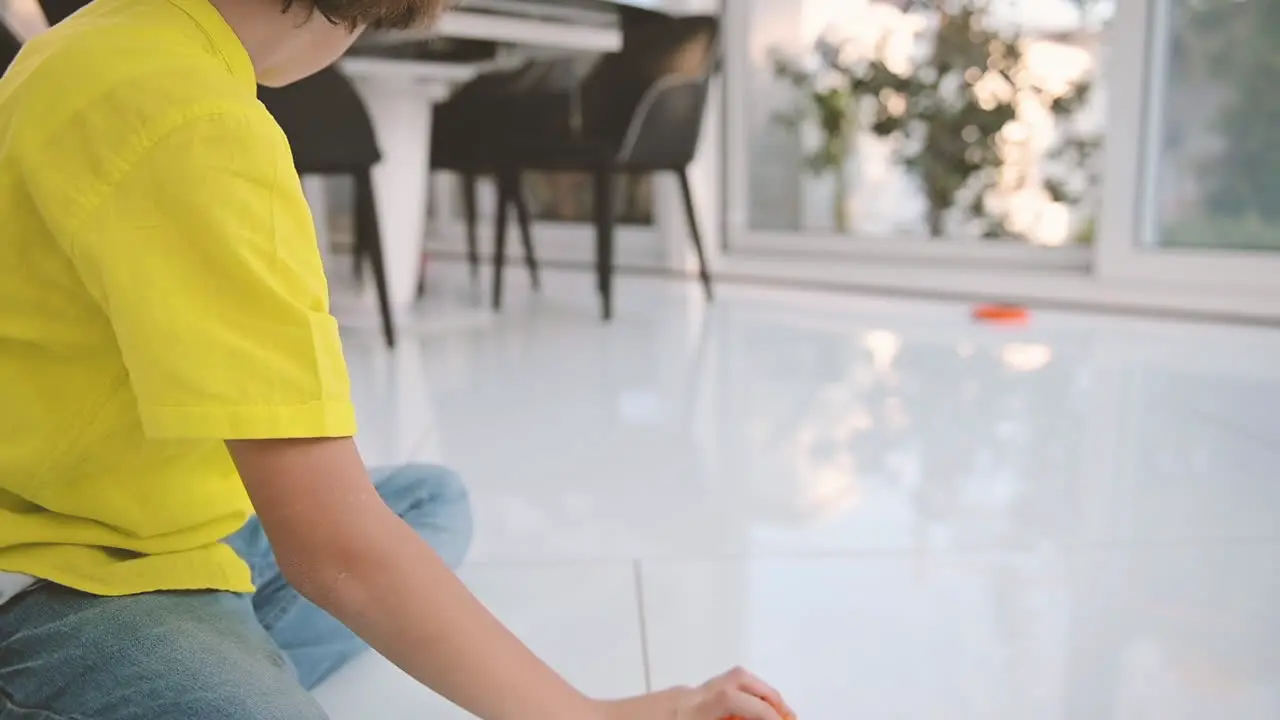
401 109
400 97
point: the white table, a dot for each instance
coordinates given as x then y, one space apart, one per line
551 33
401 95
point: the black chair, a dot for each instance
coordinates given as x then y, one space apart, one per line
462 142
55 11
330 133
9 47
467 138
638 111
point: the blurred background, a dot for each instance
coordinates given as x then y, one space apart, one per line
685 290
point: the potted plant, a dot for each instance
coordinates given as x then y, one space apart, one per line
950 110
827 99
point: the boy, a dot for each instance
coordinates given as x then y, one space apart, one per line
175 427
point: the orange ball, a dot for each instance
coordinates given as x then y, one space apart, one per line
785 715
1001 314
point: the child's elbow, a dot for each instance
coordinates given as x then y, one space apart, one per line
328 579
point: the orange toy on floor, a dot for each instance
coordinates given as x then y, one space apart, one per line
998 314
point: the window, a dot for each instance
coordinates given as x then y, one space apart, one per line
1216 117
968 119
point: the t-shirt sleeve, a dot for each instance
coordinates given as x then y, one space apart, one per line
204 257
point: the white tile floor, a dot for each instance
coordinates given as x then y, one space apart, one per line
887 510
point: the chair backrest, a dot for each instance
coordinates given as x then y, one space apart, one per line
327 124
501 105
9 47
649 98
55 11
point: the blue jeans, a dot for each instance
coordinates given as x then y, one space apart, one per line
66 655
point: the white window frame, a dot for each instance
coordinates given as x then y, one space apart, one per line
1118 271
748 240
1138 75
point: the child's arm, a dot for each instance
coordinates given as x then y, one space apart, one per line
342 548
206 264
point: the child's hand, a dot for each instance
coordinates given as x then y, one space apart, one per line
736 695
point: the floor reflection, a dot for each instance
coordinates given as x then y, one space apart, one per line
878 504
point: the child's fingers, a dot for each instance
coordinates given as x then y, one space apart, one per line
752 684
742 705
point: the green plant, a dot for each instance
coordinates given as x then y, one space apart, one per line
828 100
947 122
1070 166
950 110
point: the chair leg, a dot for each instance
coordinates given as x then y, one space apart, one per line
603 200
421 290
692 213
526 229
369 237
500 238
357 255
469 181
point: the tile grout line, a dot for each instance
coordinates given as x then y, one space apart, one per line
644 626
1212 418
877 553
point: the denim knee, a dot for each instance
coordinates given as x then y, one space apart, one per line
434 501
194 656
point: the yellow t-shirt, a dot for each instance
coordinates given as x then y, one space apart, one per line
160 291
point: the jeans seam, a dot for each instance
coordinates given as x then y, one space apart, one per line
269 622
7 698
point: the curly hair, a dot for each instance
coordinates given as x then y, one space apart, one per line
378 14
